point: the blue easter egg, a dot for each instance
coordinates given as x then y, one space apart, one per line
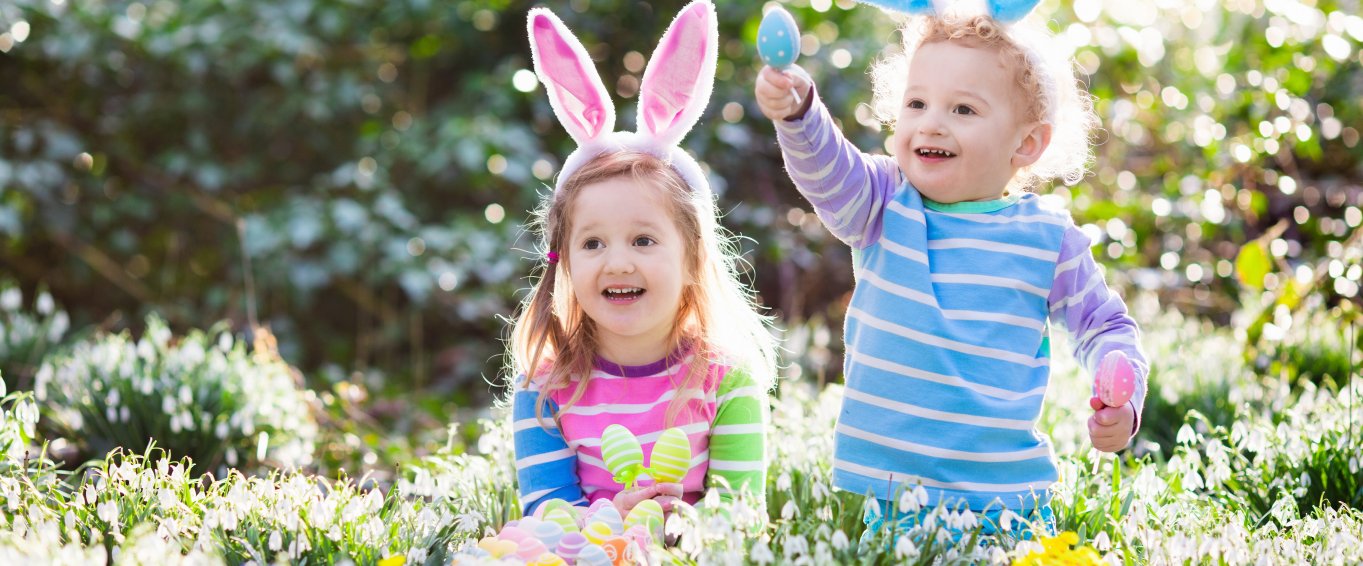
1011 10
778 38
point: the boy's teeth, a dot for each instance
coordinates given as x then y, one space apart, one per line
936 152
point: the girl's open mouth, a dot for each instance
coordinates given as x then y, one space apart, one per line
623 294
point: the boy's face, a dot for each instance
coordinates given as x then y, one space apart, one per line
959 129
627 262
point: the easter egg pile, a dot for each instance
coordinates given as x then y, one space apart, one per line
558 534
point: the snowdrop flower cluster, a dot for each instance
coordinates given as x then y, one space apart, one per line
26 336
202 395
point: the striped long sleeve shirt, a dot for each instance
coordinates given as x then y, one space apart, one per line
947 334
725 422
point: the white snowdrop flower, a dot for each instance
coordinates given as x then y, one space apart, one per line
186 396
44 304
905 548
783 482
60 324
221 430
1102 543
840 541
11 298
997 555
107 511
373 500
111 414
908 502
276 541
968 520
124 414
788 511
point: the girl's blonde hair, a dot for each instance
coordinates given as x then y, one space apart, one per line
553 342
1043 73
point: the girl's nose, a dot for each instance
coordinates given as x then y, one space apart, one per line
619 262
931 125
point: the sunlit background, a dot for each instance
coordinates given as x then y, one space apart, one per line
356 176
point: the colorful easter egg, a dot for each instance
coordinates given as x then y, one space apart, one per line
641 536
502 548
597 505
620 449
620 550
549 533
671 456
597 532
648 514
593 555
514 534
1115 382
567 520
547 559
611 517
778 38
530 549
570 545
552 504
528 524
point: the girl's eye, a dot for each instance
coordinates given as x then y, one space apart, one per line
915 104
644 241
592 244
963 109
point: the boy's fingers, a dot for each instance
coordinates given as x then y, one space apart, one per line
776 78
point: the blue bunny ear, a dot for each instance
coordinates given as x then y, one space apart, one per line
1011 10
904 6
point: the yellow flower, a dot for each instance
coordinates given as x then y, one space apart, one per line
394 560
1060 550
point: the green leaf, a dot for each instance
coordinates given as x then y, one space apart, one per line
1252 264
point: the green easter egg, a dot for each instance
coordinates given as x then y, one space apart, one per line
620 449
564 518
543 511
671 457
647 513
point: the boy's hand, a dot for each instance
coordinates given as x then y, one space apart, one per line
1110 427
775 96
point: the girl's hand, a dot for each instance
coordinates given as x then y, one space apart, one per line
668 494
1110 427
775 94
626 500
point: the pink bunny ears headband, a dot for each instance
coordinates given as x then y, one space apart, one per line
675 89
1002 10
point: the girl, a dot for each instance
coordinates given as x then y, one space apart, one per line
961 271
638 317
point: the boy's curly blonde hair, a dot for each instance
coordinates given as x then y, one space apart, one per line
1043 75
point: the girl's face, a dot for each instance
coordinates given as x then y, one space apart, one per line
960 136
627 263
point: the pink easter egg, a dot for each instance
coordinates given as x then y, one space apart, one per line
530 549
1115 381
514 534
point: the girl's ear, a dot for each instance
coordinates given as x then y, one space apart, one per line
575 90
680 75
1035 139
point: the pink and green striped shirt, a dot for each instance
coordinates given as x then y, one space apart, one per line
725 422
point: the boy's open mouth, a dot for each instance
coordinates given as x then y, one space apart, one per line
933 152
622 294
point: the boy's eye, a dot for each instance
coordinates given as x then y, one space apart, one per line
963 109
592 244
915 104
644 241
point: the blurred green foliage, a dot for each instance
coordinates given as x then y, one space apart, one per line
373 162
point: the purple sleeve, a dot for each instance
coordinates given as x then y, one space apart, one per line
848 188
1095 316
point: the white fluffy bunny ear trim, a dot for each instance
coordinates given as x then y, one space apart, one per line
576 93
680 75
